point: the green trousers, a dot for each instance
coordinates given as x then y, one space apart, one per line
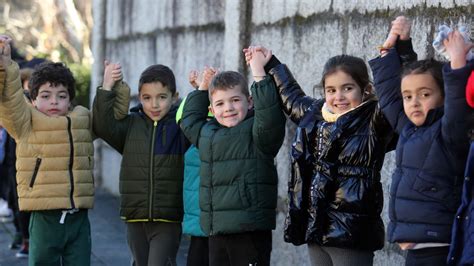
53 243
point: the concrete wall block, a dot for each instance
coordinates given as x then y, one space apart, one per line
303 48
133 55
264 12
341 6
188 51
147 16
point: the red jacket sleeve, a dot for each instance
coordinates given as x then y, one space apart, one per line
470 90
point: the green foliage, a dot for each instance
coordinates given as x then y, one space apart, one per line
82 74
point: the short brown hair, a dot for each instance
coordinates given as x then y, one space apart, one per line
158 73
228 80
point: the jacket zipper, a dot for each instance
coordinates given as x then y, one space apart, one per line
71 162
211 187
150 191
35 172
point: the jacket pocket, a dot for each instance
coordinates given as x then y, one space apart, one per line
35 172
441 192
243 193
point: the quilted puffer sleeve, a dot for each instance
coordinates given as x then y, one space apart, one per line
15 112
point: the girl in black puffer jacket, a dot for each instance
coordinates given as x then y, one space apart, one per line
335 194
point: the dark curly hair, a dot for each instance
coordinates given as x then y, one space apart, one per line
428 66
158 73
54 73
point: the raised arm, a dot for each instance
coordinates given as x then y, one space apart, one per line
269 124
386 69
456 74
14 111
110 108
195 109
399 37
295 103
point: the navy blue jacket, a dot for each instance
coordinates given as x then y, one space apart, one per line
462 243
430 159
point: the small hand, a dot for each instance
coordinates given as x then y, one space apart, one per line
112 74
457 49
248 52
259 57
207 75
401 28
193 78
5 50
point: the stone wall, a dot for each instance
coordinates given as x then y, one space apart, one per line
189 34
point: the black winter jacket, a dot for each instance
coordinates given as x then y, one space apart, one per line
335 194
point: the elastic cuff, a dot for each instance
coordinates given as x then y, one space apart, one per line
271 64
404 46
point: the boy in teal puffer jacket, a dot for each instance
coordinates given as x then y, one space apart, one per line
238 188
198 252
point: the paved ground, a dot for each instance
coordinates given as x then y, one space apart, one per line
109 243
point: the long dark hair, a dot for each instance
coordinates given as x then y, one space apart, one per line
352 66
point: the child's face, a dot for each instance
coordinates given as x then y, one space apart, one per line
156 100
52 101
341 92
420 94
230 106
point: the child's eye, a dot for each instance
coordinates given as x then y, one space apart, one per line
406 97
44 96
236 100
218 104
348 88
163 97
330 91
63 97
425 95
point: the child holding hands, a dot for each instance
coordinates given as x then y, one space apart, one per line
430 116
238 189
54 159
151 174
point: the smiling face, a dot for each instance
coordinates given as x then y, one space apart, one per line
52 100
420 94
341 92
156 100
230 106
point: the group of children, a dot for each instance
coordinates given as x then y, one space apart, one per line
221 143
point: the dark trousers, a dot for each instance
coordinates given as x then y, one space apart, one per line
198 253
55 244
154 243
436 256
249 248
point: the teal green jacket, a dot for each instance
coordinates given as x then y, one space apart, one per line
238 188
151 173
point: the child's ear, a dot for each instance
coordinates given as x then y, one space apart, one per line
211 110
250 102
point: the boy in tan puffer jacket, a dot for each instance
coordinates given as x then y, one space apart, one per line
54 159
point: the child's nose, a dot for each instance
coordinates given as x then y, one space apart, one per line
339 95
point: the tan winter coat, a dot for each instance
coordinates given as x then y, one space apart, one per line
54 154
